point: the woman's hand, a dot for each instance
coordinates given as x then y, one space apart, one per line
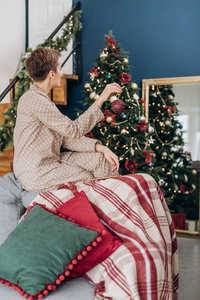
110 89
109 155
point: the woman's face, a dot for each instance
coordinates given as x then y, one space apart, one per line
58 75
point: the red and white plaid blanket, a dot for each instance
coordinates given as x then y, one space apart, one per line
145 266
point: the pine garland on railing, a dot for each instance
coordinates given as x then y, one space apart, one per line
72 25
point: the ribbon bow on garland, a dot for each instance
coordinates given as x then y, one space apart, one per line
112 43
93 73
148 156
170 109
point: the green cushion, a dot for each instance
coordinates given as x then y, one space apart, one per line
40 248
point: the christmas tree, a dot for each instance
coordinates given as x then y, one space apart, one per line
123 128
166 138
155 148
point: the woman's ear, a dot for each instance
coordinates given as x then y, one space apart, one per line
51 74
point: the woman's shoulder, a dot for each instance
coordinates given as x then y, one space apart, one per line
35 99
32 96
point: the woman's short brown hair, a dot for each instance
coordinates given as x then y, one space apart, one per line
41 61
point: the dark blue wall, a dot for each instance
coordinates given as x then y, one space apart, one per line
162 38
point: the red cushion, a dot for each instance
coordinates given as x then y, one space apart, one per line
79 209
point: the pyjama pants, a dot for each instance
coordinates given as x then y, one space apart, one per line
13 202
14 199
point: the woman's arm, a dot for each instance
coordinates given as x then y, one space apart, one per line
109 90
83 144
50 116
109 155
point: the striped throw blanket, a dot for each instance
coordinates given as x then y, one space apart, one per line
145 266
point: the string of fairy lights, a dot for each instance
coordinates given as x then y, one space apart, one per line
166 171
164 143
134 102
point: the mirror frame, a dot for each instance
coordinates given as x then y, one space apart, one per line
146 83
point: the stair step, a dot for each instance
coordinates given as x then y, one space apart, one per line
5 167
3 108
6 160
59 95
7 154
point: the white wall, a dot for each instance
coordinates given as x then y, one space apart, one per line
188 97
12 35
44 17
13 31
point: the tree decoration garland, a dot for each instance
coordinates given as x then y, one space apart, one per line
72 25
93 73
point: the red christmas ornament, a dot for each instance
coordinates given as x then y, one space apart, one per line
148 156
182 187
189 154
142 125
118 106
131 165
125 78
89 134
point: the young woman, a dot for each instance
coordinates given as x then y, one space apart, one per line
41 129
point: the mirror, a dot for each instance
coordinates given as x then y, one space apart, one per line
186 96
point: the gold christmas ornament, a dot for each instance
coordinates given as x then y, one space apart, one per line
164 154
132 151
113 98
87 85
108 119
96 97
103 55
125 60
134 85
167 122
194 172
124 131
175 187
150 129
92 95
142 118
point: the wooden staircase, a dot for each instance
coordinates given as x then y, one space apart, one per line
57 95
6 160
